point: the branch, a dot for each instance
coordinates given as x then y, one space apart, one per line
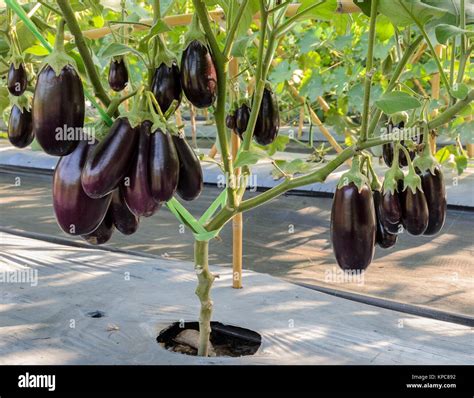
233 29
285 27
452 111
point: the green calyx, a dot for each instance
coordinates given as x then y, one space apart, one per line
399 117
16 60
412 181
164 55
394 173
100 130
58 59
22 102
354 175
426 161
139 112
195 32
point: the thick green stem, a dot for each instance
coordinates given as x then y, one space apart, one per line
233 29
92 73
452 111
203 290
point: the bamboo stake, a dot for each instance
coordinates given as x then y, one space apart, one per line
420 87
192 112
323 104
301 122
419 53
213 151
347 7
469 147
435 90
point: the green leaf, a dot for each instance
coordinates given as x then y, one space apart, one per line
159 27
401 12
460 91
324 12
4 102
461 163
296 166
247 158
38 50
240 46
116 49
278 145
397 101
444 32
384 28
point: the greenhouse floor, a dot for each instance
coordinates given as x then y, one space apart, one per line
48 320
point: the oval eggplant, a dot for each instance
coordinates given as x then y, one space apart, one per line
166 85
198 75
103 232
76 213
58 110
124 220
402 159
17 80
391 207
353 227
164 166
435 194
118 75
136 185
190 180
107 164
230 122
268 120
383 238
20 127
414 211
242 116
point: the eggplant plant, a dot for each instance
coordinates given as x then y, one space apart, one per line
142 161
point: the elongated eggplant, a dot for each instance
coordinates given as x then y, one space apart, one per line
383 238
17 80
198 75
268 120
136 186
124 220
58 110
190 181
20 127
391 207
76 213
353 226
107 164
164 166
166 85
103 232
402 159
230 121
242 116
415 214
118 75
435 194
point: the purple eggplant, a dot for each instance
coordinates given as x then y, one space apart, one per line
268 120
435 194
103 232
20 127
136 183
17 80
415 215
383 238
190 182
118 75
166 85
164 166
242 116
230 122
106 166
76 213
391 207
124 220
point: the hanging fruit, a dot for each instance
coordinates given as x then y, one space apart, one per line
17 79
20 127
124 220
103 232
118 74
242 116
268 120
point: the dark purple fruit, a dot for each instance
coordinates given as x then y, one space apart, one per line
17 80
435 194
103 232
118 75
415 214
198 75
124 220
163 166
58 110
20 127
107 164
166 85
391 207
190 181
76 213
242 116
230 121
383 238
268 120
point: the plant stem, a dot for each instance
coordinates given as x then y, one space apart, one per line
288 24
92 73
205 280
464 44
452 111
369 71
233 29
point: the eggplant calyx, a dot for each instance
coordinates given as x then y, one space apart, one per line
399 117
164 55
412 181
426 161
392 176
354 176
16 60
58 59
195 33
22 102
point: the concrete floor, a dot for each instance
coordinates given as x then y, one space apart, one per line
288 238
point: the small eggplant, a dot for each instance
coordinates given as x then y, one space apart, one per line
435 194
391 207
383 238
124 220
103 232
268 120
17 80
415 214
118 75
166 85
20 127
230 121
242 116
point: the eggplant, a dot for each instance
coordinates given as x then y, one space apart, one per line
268 120
353 226
383 238
166 85
391 207
58 110
414 211
402 159
118 75
106 166
76 213
17 80
124 220
20 127
190 182
163 166
434 190
230 122
103 232
198 75
242 116
136 183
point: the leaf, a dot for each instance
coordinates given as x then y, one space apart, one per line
401 12
444 32
240 46
116 49
443 154
384 28
247 158
461 163
278 145
38 50
159 27
460 91
296 166
397 101
4 102
324 12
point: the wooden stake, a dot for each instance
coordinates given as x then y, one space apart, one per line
192 112
301 122
469 147
435 90
213 151
347 7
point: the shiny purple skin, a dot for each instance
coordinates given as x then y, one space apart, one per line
353 227
383 238
242 116
391 207
198 75
435 194
124 220
402 159
106 166
136 183
103 232
163 166
17 80
268 120
190 181
20 127
415 214
230 122
76 213
118 75
58 101
166 85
